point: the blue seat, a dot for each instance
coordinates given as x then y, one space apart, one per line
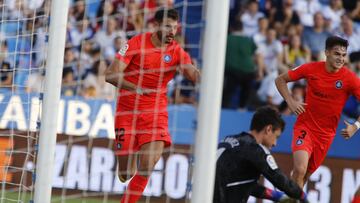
10 27
92 8
11 43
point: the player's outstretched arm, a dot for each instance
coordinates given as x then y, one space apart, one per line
350 129
281 84
266 163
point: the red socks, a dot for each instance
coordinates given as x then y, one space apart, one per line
356 199
135 189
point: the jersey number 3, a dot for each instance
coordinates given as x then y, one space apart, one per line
303 134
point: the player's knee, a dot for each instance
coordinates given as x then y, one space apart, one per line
147 163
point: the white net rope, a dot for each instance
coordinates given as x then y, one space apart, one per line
85 164
23 44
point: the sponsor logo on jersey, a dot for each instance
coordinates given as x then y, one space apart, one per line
271 161
299 142
123 49
167 58
338 84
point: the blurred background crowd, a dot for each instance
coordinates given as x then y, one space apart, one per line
266 38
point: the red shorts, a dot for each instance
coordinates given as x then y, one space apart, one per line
304 139
134 130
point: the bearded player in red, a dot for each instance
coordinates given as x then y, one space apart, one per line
329 85
141 71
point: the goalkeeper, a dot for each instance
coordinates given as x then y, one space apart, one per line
244 157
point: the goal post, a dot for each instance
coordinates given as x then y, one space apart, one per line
217 14
48 128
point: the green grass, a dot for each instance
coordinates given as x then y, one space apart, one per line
12 197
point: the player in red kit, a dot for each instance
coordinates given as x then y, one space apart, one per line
329 85
141 71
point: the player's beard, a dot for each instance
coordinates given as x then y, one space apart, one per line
167 39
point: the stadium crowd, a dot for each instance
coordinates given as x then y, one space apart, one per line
280 35
266 38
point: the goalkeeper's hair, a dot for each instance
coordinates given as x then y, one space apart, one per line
265 116
161 14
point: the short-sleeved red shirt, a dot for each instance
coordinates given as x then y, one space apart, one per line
148 67
326 95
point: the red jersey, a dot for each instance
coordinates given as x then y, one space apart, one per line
151 68
326 95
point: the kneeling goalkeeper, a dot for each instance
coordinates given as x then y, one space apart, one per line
244 157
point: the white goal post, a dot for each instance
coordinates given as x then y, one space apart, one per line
54 68
217 14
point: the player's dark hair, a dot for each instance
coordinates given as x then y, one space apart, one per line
333 41
166 13
265 116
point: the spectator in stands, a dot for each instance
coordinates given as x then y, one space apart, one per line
347 32
77 11
250 18
306 9
33 5
14 10
104 12
6 69
35 82
105 37
290 31
94 85
70 58
272 52
239 66
356 67
353 7
285 17
268 93
69 86
332 13
80 32
40 41
85 58
182 89
260 36
314 37
110 51
295 53
135 19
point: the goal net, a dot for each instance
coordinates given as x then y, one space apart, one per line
85 164
23 48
